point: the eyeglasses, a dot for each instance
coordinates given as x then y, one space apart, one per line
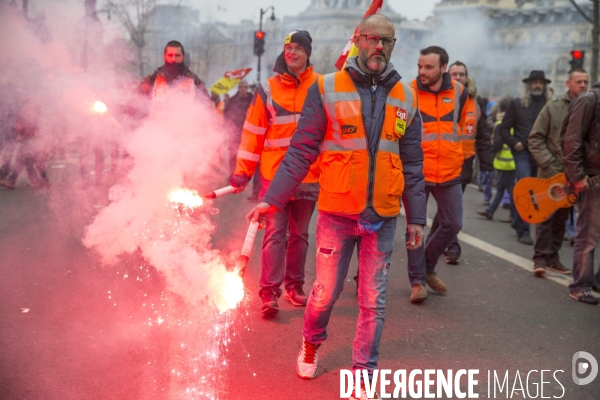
374 39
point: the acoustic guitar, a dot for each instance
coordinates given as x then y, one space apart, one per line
536 199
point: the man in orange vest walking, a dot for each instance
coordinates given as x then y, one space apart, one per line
270 123
441 102
365 124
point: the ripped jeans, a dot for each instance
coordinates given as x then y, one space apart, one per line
336 238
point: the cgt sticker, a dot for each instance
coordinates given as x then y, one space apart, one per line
400 124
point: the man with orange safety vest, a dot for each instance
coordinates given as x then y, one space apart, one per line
270 123
173 75
365 124
475 138
442 105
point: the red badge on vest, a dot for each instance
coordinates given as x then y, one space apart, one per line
400 124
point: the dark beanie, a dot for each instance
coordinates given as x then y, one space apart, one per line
301 38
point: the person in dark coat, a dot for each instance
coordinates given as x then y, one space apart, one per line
520 116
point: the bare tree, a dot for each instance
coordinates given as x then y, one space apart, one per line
135 16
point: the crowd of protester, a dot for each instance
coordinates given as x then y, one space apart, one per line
356 142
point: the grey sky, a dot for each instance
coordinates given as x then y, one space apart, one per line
232 11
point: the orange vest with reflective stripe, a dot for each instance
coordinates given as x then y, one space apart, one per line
270 124
442 150
472 112
349 175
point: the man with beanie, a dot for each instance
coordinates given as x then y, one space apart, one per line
173 75
365 125
270 123
520 116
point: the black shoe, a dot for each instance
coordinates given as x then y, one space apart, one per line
296 296
506 206
269 305
584 297
452 258
485 214
596 289
539 267
559 268
525 239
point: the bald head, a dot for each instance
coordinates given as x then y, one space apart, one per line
375 21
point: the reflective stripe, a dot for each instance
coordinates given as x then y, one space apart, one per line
328 102
390 146
504 159
283 142
285 119
269 104
344 144
246 155
468 137
344 96
432 137
257 130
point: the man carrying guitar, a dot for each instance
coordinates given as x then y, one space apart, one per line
544 146
581 149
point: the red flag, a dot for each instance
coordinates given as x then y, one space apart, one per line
350 49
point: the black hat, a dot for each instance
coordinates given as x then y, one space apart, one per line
301 38
535 75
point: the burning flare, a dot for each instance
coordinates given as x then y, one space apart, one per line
232 291
185 198
99 107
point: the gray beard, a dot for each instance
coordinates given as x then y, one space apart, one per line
376 65
537 92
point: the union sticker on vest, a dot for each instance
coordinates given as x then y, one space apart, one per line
400 125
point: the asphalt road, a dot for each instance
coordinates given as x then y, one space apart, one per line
73 329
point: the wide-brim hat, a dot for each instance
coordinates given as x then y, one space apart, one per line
537 75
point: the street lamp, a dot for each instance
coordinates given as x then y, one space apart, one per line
262 13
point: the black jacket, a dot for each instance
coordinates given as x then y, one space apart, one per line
235 110
521 119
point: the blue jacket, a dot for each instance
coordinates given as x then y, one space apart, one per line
305 144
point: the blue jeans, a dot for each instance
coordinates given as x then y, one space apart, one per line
505 183
336 238
525 167
587 239
449 216
486 180
283 260
449 223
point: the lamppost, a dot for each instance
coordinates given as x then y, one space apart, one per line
262 13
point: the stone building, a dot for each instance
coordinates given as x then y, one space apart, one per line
213 48
502 40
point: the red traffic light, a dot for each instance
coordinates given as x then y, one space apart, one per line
577 54
260 34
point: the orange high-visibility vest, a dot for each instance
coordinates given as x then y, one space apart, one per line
270 124
442 150
349 176
472 112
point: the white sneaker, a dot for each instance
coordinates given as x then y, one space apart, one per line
362 395
308 360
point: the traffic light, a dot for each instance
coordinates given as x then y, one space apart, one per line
577 57
259 43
